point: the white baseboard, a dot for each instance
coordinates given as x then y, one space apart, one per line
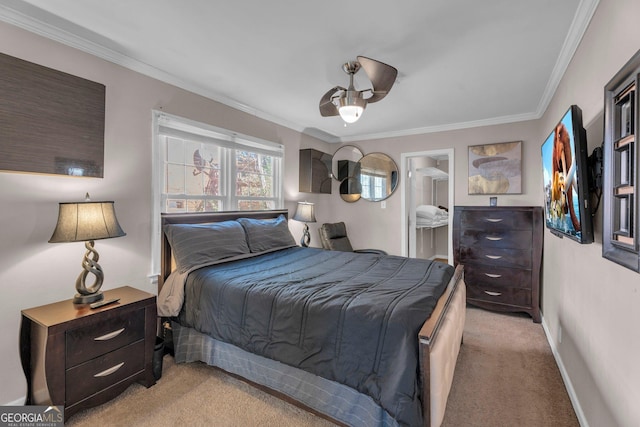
565 377
17 402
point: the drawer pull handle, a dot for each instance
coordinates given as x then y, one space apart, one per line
493 294
494 219
493 238
493 276
109 371
494 256
109 336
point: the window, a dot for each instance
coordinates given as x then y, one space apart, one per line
205 170
201 168
373 186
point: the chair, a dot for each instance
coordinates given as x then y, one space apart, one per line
334 238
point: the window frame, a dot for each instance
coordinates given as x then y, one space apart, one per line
621 181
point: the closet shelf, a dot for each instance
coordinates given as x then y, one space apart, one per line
433 173
430 225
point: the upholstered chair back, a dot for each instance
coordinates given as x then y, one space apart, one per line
334 237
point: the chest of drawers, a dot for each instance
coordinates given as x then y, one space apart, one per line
501 250
77 357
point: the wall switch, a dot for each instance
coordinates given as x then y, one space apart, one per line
383 204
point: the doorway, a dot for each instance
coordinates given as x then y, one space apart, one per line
427 204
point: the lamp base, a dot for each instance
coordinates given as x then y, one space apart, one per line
88 294
88 299
306 237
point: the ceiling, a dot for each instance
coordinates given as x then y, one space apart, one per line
461 63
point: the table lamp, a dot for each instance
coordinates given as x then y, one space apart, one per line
85 222
304 213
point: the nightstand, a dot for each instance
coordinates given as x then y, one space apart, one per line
80 357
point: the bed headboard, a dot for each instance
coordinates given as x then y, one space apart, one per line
199 218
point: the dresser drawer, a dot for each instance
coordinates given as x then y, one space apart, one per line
515 258
507 296
98 374
98 338
496 219
506 239
497 277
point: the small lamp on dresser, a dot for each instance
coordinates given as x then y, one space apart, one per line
85 222
304 213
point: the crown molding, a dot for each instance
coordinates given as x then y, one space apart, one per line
578 26
447 127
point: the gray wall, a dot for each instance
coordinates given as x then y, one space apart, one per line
590 304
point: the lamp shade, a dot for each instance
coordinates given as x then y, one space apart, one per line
85 221
351 108
304 212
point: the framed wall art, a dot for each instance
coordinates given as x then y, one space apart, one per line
50 122
495 168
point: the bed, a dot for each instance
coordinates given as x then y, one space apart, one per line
237 313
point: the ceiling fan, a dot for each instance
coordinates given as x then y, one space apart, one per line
349 103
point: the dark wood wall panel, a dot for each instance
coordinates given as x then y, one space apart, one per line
50 121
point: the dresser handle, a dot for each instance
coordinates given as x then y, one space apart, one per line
493 276
493 294
494 219
109 371
493 238
110 335
494 256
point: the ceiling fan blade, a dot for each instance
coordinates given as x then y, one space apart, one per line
328 108
382 77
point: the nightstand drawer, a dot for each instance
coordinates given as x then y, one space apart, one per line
98 338
507 296
98 374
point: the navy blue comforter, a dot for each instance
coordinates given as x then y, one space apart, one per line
348 317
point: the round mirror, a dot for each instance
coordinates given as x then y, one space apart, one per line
344 162
378 176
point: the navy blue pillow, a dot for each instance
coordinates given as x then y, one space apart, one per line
196 245
265 234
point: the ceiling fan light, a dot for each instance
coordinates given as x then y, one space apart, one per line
351 108
350 113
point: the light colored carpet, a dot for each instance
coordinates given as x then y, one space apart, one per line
195 394
505 376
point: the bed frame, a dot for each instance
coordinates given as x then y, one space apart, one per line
439 338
